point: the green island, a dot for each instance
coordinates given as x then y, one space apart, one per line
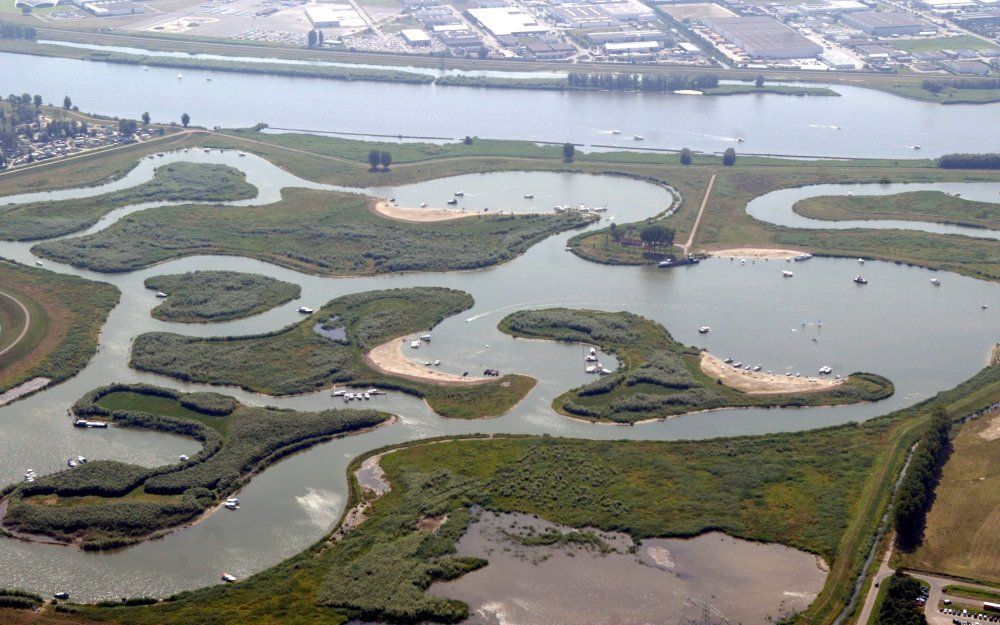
107 504
330 348
321 232
209 296
176 182
59 334
911 206
823 491
658 377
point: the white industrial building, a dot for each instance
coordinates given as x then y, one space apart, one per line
333 16
415 37
505 21
632 47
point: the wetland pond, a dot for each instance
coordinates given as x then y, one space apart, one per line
613 581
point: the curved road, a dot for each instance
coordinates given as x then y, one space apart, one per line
27 323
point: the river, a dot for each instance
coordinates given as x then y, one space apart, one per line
889 327
860 123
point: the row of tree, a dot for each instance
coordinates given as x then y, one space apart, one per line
315 38
916 491
970 161
638 82
17 31
938 85
379 157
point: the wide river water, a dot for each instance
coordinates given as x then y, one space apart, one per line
924 338
860 123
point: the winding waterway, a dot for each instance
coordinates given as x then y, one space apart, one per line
860 123
893 327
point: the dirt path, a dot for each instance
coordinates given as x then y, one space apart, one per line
388 358
697 220
27 322
761 383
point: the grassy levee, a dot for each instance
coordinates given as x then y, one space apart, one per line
211 296
12 320
320 232
822 490
107 504
658 377
960 538
175 182
66 317
298 359
911 206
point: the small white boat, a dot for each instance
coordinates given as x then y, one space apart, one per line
802 257
739 139
71 463
232 505
825 370
593 351
305 310
423 205
62 596
590 358
39 263
437 363
459 193
861 261
242 154
860 280
616 131
757 367
183 458
179 77
229 579
427 363
529 196
638 137
367 395
984 306
415 344
452 202
425 337
593 368
604 371
161 294
787 274
916 147
600 209
208 80
81 460
338 393
559 209
704 330
207 151
935 282
348 397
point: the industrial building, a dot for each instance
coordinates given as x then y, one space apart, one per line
113 8
333 16
882 24
763 37
622 36
415 37
836 59
634 47
502 21
581 16
550 50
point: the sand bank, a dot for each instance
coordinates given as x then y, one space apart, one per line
761 383
420 215
756 252
388 358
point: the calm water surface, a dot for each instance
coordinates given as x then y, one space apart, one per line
891 327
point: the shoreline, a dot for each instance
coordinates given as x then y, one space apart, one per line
760 383
419 215
756 252
388 359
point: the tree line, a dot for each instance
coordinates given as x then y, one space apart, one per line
917 488
970 161
938 85
638 82
17 31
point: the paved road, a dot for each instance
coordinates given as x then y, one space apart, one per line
27 323
883 572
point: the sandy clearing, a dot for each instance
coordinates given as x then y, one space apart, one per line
756 252
760 383
420 215
992 431
388 358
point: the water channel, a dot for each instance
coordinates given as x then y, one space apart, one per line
893 327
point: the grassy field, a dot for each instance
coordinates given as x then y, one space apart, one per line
912 206
106 504
823 491
209 296
319 232
176 182
936 44
972 593
298 359
67 314
657 376
961 538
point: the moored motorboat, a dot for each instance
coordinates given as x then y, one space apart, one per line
935 282
704 330
305 310
860 280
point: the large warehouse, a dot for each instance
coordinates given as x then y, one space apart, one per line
882 24
763 37
504 21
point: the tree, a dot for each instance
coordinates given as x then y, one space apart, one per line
126 127
483 52
615 232
312 38
655 235
759 82
67 103
686 156
467 140
386 159
185 120
145 118
374 158
569 150
38 101
319 37
729 157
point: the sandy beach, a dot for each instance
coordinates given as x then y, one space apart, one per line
388 358
756 252
761 383
420 215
